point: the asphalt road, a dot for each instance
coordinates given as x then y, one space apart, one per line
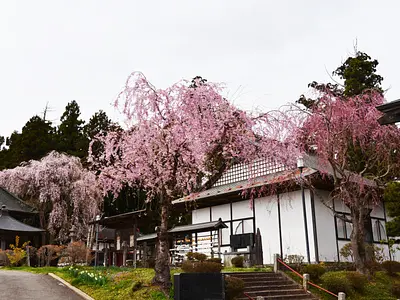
17 285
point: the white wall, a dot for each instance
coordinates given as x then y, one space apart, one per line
325 223
221 211
241 210
267 221
201 215
293 231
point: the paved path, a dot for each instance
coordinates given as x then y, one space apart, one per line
17 285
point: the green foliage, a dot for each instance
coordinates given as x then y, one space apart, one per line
237 261
344 281
87 277
336 282
357 280
392 202
4 261
359 74
70 134
215 260
347 252
391 267
189 266
234 287
136 285
197 256
17 254
396 289
314 270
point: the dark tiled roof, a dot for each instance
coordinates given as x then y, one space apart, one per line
192 228
391 112
278 177
8 223
13 203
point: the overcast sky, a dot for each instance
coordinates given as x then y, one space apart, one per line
264 51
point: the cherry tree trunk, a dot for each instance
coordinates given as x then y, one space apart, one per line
358 243
162 276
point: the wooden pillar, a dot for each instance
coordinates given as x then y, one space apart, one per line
114 262
195 241
124 253
219 242
105 255
145 259
134 242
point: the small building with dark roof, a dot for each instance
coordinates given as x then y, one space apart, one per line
17 219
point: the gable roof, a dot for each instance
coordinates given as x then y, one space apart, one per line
8 223
13 203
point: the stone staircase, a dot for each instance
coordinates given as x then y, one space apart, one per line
270 285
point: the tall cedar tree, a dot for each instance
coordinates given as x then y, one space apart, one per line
71 138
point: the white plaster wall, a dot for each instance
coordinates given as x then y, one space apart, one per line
340 206
241 209
267 221
221 211
201 215
325 223
293 231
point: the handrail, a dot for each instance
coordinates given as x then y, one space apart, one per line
297 273
308 282
251 298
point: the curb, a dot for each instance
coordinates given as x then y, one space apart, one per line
68 285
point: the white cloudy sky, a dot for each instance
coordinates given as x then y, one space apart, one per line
264 51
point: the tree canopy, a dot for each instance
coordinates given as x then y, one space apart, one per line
58 186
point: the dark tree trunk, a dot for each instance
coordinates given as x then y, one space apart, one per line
162 276
358 216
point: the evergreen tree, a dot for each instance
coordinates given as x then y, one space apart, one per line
71 138
392 202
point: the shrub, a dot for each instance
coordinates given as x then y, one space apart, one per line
336 282
294 259
201 267
33 258
4 261
196 256
77 252
347 252
17 255
315 271
234 287
357 280
237 261
391 267
49 254
396 289
215 260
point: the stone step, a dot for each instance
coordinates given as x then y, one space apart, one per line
279 286
271 292
269 284
250 274
261 277
284 297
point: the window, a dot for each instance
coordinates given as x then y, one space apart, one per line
344 228
379 232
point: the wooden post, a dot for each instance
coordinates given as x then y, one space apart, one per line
124 253
105 255
306 278
28 257
134 242
219 242
145 259
276 266
114 262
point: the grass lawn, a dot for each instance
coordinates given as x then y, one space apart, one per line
122 283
